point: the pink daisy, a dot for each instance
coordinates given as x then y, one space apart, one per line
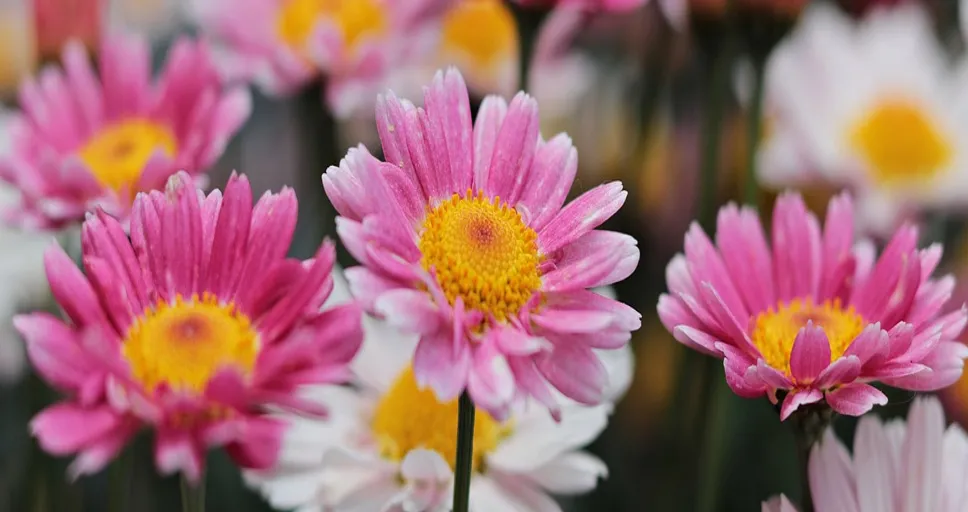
283 45
87 139
192 328
464 241
816 316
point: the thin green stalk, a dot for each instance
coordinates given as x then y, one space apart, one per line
754 128
120 480
712 132
714 443
193 495
809 424
465 453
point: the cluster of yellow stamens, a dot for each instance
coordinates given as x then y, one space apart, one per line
482 252
356 18
185 343
775 329
408 417
117 155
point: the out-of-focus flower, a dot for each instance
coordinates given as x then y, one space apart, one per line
896 467
58 21
873 106
192 328
19 45
464 240
596 5
390 445
815 315
283 45
86 139
480 37
22 272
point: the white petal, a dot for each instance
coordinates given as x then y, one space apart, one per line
537 439
487 496
288 490
874 467
831 476
620 365
922 456
570 473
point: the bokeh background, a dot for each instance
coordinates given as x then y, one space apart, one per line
633 89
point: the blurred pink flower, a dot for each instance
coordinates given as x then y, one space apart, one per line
896 467
192 328
87 139
816 316
58 21
465 241
283 45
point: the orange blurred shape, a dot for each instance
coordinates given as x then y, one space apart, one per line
17 41
58 21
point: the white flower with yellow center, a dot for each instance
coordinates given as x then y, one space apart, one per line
389 445
873 105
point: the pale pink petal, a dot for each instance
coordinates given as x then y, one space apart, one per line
510 163
487 126
576 372
831 476
177 451
922 457
437 365
855 399
582 215
411 311
448 124
796 398
552 173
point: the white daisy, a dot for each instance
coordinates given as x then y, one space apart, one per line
873 105
388 445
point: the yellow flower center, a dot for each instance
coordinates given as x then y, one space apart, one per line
775 330
482 30
356 18
408 417
186 343
483 253
118 154
901 143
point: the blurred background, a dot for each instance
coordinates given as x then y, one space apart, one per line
641 92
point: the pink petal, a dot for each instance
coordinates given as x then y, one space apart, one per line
177 450
515 342
746 256
510 163
566 321
810 354
842 371
411 311
552 173
366 285
55 351
487 126
259 444
796 398
490 381
582 215
71 289
855 399
530 380
870 342
796 249
448 119
66 427
438 365
838 238
599 258
576 372
944 367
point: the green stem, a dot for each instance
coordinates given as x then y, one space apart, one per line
465 453
193 495
809 424
712 131
754 127
120 479
714 443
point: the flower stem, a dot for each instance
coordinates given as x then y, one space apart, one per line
465 453
754 127
120 480
712 131
809 424
193 495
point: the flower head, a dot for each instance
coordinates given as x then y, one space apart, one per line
87 139
464 241
896 467
480 37
815 316
283 45
389 445
192 328
880 116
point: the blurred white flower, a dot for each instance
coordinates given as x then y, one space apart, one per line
22 274
873 105
158 19
896 467
390 446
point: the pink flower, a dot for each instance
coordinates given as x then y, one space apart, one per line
816 316
464 241
59 21
85 139
896 467
597 5
192 328
283 45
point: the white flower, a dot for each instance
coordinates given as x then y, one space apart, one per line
873 105
896 467
388 445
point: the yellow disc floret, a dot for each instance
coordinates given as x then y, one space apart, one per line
408 417
186 343
482 252
355 18
776 329
901 143
117 154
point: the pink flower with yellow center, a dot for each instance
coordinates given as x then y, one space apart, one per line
192 329
466 240
284 45
86 139
815 316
